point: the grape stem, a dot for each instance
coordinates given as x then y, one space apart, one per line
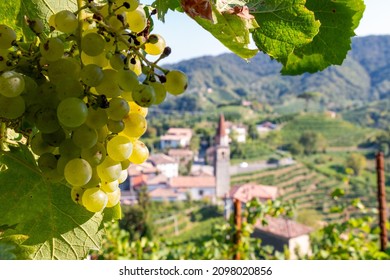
80 10
3 130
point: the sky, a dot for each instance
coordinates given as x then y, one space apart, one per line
188 40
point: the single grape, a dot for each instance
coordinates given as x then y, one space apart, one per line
47 162
77 194
69 149
95 180
135 108
67 88
85 137
109 170
7 36
102 133
140 152
125 164
78 172
93 44
46 120
117 61
55 138
11 84
94 199
155 45
137 20
100 60
97 118
127 80
115 126
109 186
118 109
160 92
38 146
119 148
109 85
144 95
52 49
72 112
91 75
66 21
94 155
135 125
11 108
64 69
176 82
123 177
113 198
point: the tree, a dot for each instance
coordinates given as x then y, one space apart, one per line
309 96
62 107
295 149
312 142
357 162
252 131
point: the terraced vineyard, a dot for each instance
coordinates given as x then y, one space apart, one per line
309 189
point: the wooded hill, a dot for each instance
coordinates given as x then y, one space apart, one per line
214 80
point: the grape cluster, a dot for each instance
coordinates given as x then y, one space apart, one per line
80 95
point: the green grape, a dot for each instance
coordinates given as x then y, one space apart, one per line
11 84
100 60
47 95
7 36
127 80
126 5
176 82
115 126
94 200
38 146
31 91
135 108
123 177
127 95
102 133
91 75
135 125
109 170
135 65
4 59
137 20
125 164
46 120
119 148
64 69
144 95
117 23
77 193
140 152
118 109
55 138
160 92
95 180
69 149
94 155
67 88
47 162
72 112
113 198
85 137
36 25
52 49
109 186
97 118
52 21
66 21
78 172
117 61
12 108
109 85
155 45
92 44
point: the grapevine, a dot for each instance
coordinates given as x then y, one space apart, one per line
80 96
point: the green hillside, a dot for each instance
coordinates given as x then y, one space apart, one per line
337 132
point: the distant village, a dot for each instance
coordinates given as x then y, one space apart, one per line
209 180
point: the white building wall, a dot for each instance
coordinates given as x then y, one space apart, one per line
206 192
169 170
300 243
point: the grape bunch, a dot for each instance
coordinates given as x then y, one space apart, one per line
80 93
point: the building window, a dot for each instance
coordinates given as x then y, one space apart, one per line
201 192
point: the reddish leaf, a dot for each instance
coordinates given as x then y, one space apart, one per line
198 8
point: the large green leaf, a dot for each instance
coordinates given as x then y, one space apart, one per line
231 30
12 12
339 19
54 226
284 26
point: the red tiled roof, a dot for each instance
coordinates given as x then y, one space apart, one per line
180 153
138 180
163 192
284 227
192 182
248 191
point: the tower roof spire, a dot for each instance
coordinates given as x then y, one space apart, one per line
221 131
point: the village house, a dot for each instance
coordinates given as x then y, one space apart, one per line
165 165
197 187
236 132
265 128
182 156
176 138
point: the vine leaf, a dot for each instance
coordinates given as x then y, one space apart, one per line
12 13
53 225
231 30
284 25
163 6
339 19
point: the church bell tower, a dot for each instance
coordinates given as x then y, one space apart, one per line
222 159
